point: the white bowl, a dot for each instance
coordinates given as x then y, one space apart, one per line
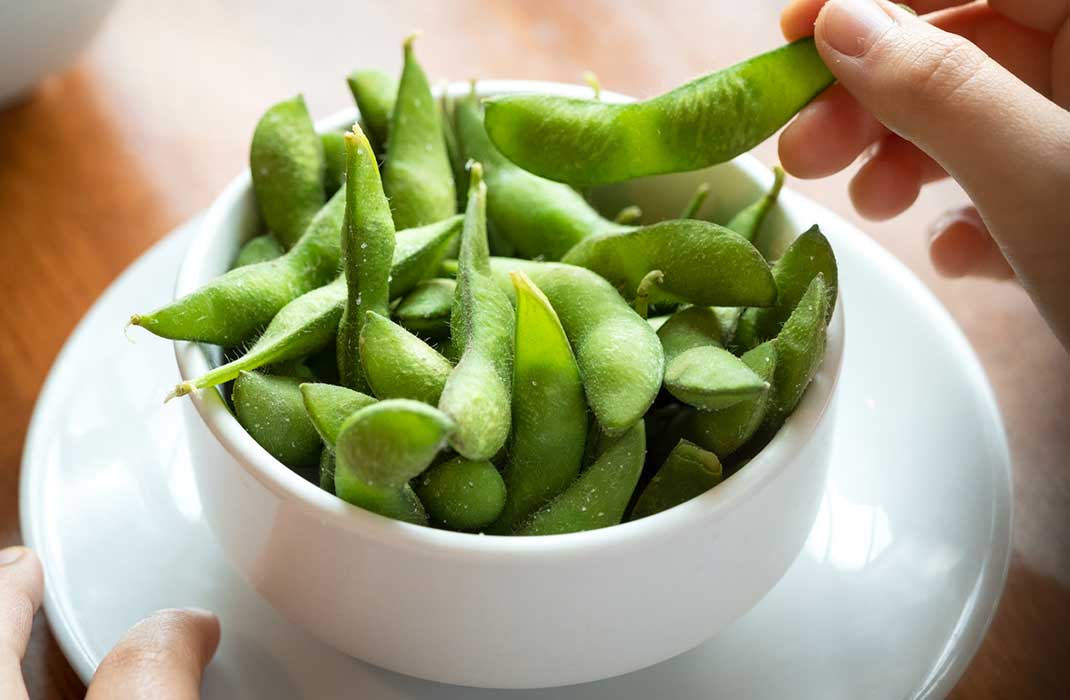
508 612
40 37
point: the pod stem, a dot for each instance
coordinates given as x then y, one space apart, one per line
180 390
411 39
642 294
697 200
629 215
592 80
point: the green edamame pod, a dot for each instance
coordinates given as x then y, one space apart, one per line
549 411
326 471
287 164
257 250
417 175
698 371
310 322
398 365
462 494
808 256
458 162
233 308
375 93
618 353
748 221
388 443
694 205
689 471
426 309
706 121
334 154
728 318
328 406
270 409
599 496
703 263
800 348
725 431
477 393
541 218
367 253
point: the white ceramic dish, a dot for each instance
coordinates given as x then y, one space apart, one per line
507 612
905 562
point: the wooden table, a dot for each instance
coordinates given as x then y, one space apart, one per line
156 118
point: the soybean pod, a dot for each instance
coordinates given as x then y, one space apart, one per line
687 472
748 221
398 365
426 309
462 494
271 410
367 253
477 393
257 250
375 93
709 120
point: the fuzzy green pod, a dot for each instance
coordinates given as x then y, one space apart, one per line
233 308
709 120
417 175
426 309
326 470
800 348
328 406
688 471
703 263
808 256
698 371
375 93
310 322
725 431
287 164
549 410
270 409
334 154
477 393
398 365
748 221
600 495
367 253
618 353
541 218
462 494
257 250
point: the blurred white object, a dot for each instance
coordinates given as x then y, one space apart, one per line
41 37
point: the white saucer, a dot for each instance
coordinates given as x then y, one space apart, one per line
890 598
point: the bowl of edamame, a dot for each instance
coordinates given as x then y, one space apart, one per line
470 424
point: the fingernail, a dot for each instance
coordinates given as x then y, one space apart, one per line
199 612
10 555
851 27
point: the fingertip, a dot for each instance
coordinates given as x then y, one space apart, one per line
960 246
888 182
798 17
827 135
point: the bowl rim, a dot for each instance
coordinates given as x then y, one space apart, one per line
771 461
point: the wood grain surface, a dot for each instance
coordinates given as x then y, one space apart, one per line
156 116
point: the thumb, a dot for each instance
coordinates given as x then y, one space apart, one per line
943 94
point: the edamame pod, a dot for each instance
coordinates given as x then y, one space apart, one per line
689 471
417 175
310 322
694 205
549 411
270 409
367 253
328 406
599 496
800 348
706 121
477 393
398 365
541 218
698 371
703 263
808 256
748 221
334 154
233 308
287 164
725 431
257 250
386 444
462 494
375 93
326 472
618 353
426 309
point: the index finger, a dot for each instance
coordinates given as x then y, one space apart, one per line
798 17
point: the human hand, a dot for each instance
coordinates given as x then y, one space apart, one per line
977 91
161 657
